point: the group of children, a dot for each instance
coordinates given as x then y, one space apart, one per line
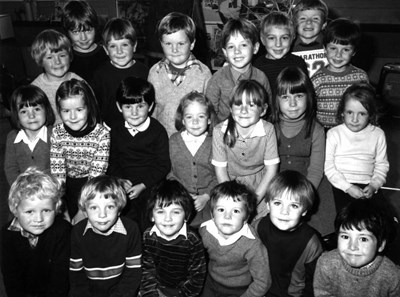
170 175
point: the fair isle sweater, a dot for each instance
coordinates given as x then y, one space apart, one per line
51 87
356 157
78 157
329 87
168 95
105 265
335 278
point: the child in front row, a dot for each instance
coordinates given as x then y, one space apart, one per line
32 115
293 246
105 248
179 72
238 261
139 146
190 152
239 44
244 145
173 260
51 50
301 139
356 161
341 38
36 243
358 267
80 146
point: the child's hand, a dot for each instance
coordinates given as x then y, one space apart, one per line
355 192
134 191
369 191
200 201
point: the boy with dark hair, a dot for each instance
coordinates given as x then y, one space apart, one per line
310 18
357 267
119 42
341 38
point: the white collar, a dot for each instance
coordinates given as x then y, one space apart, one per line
21 136
182 231
258 130
187 137
118 227
213 230
142 127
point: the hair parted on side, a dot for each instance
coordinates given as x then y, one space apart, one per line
174 22
79 16
342 31
118 28
239 26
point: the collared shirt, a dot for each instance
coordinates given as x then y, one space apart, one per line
15 226
182 231
118 227
193 143
142 127
178 77
213 230
21 136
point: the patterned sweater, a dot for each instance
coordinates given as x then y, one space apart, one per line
329 87
79 157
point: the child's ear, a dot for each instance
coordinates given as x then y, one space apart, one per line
382 247
151 107
106 50
256 47
119 107
134 47
304 213
265 108
192 45
323 26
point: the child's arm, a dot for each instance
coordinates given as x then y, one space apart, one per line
100 157
219 156
149 283
213 92
322 282
315 170
310 255
270 172
11 167
221 174
58 166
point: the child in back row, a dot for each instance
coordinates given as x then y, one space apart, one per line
240 43
179 72
358 267
119 42
105 248
244 145
341 38
81 23
173 261
32 114
139 153
310 18
301 139
51 50
293 246
36 243
190 152
277 34
356 161
80 146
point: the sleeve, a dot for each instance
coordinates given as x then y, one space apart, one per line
315 170
193 286
267 87
100 158
336 178
58 166
258 263
79 284
113 167
58 283
271 155
130 279
11 167
322 281
381 167
213 92
149 283
173 151
219 154
312 252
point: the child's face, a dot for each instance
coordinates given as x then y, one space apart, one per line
32 118
293 106
83 41
74 112
358 248
239 52
285 212
246 115
309 24
56 64
135 114
338 56
35 215
355 116
120 52
102 212
168 219
229 216
177 48
277 41
195 118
